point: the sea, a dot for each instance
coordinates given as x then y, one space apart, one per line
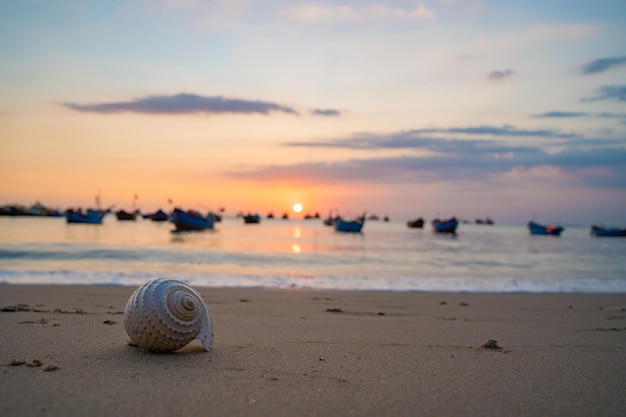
306 254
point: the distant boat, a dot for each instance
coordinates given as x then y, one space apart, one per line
90 216
601 231
128 215
540 229
37 209
213 217
445 226
330 220
417 223
190 221
350 226
125 215
251 219
159 216
285 216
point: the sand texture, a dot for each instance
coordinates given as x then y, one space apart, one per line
318 353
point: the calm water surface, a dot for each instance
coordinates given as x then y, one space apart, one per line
306 254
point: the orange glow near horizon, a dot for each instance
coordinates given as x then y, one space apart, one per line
60 189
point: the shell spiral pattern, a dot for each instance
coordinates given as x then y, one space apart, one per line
164 315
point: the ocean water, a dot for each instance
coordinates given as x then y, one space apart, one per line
292 253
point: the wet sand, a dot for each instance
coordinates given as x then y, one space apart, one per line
318 353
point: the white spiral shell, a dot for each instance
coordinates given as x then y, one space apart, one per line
164 315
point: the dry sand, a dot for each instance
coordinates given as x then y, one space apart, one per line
318 353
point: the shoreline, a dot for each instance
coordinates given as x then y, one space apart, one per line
294 283
286 352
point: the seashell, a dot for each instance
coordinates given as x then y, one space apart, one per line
164 315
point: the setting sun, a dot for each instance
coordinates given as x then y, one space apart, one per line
297 208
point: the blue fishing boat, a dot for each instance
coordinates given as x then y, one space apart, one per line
89 217
349 226
159 216
445 226
540 229
190 221
252 219
601 231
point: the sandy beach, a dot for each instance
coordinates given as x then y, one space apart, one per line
64 352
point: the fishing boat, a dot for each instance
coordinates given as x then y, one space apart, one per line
487 220
159 216
445 226
215 216
190 221
417 223
540 229
129 215
125 215
602 231
350 226
89 217
330 220
251 219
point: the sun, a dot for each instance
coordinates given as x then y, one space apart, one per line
297 208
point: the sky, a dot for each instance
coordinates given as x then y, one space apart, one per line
510 109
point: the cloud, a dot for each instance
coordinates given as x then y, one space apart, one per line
601 65
428 158
313 13
183 104
587 142
484 165
326 112
621 117
499 75
505 130
430 138
560 114
608 92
